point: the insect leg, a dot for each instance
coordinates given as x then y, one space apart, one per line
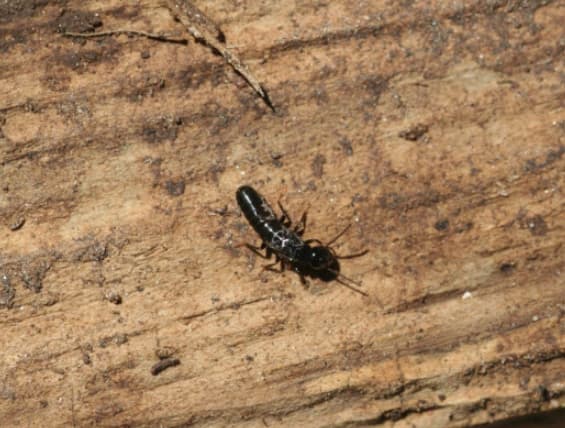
272 269
244 244
304 281
285 218
300 227
257 250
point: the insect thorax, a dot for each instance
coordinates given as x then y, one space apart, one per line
285 243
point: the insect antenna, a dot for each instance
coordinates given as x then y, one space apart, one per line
339 277
349 256
352 256
338 235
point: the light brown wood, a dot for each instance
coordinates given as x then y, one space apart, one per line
437 129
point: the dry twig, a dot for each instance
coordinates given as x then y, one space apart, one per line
129 32
204 30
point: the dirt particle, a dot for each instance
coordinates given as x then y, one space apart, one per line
276 159
116 339
346 146
164 364
318 166
414 133
7 292
161 129
543 393
442 225
165 352
113 297
17 223
536 225
175 188
507 268
86 350
31 107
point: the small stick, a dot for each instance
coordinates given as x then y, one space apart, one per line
130 32
203 29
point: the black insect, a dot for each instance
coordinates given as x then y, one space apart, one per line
318 261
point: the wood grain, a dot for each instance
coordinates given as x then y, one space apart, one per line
436 128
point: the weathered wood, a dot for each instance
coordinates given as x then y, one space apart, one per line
436 128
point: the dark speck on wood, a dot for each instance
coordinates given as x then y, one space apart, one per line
442 225
414 133
318 166
175 188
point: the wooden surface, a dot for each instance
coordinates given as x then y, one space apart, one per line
436 128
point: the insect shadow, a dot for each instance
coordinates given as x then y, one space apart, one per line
308 258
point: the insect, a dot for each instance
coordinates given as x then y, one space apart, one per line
306 257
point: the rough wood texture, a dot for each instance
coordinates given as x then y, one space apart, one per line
437 128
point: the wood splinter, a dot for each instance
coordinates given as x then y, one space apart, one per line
204 30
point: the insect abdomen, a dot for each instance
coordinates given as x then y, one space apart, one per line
254 206
261 216
256 210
